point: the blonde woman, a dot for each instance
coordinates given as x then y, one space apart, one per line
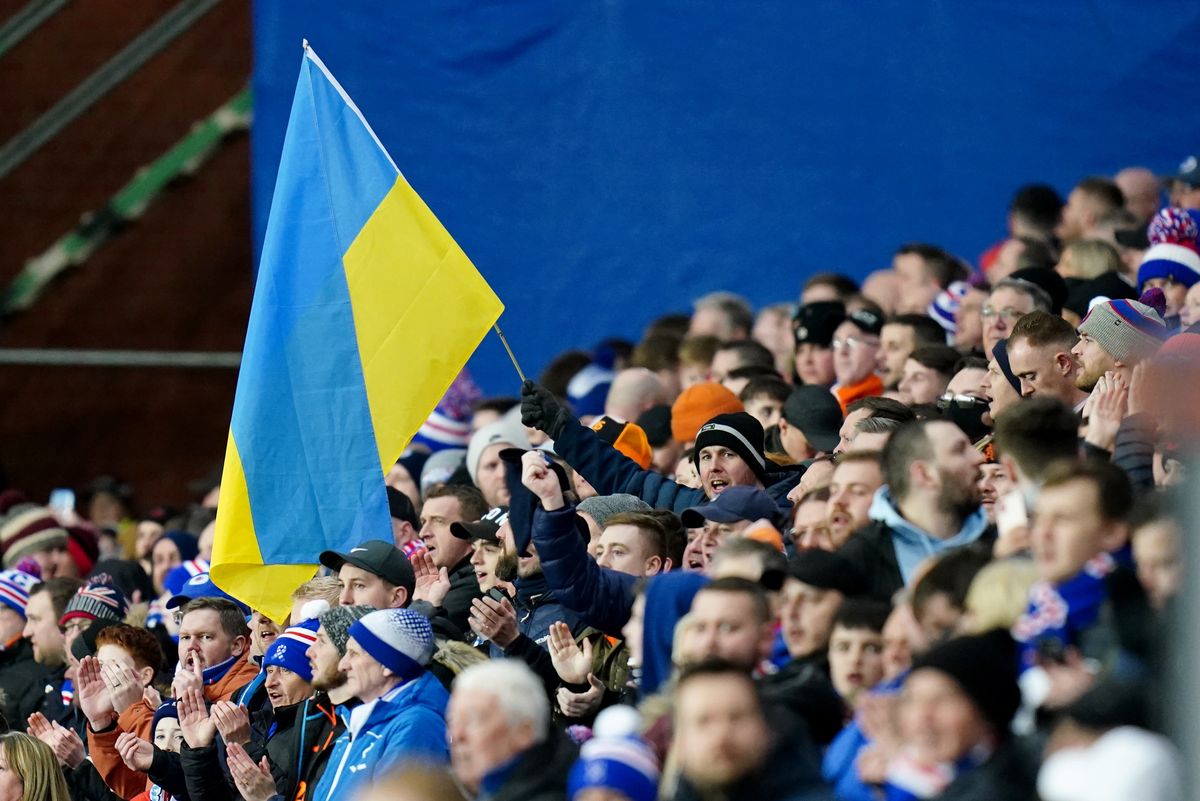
998 595
29 771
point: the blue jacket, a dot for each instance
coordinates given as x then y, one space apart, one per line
839 766
668 598
602 598
409 722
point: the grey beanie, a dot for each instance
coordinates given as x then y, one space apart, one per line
338 620
602 507
440 466
1126 329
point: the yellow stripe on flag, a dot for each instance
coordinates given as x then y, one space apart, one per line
418 306
237 563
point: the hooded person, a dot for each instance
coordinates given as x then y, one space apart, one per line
668 597
930 504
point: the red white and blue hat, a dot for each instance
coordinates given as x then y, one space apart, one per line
14 589
290 649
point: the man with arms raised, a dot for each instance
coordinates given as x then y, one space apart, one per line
728 452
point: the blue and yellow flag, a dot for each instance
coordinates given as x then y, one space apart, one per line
364 311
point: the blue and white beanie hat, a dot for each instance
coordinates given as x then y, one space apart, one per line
290 649
616 759
399 639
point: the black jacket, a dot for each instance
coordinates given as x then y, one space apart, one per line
50 703
540 774
873 552
464 588
1008 776
802 688
791 772
85 784
318 727
22 684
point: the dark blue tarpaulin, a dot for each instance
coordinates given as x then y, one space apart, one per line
606 161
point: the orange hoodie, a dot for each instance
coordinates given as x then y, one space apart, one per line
138 718
869 387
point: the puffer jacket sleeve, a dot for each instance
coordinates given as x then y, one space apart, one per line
611 472
602 598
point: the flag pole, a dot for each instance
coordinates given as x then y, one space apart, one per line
513 358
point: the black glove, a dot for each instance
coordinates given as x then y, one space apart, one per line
541 410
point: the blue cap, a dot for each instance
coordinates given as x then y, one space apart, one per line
201 586
734 504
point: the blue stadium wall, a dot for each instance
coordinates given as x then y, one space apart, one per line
606 161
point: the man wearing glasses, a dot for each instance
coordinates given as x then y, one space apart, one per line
855 348
1010 300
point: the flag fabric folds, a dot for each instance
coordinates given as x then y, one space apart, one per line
364 311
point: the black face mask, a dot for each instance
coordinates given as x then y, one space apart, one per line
966 412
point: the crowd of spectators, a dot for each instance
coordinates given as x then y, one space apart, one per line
914 538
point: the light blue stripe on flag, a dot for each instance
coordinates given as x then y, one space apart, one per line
301 420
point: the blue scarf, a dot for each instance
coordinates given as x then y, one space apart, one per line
1061 613
217 672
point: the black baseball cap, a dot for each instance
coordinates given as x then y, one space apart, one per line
378 557
483 529
828 571
815 411
815 322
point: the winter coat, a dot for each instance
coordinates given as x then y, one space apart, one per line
804 690
540 774
790 772
139 717
407 722
872 548
611 472
22 683
668 598
464 588
1008 776
602 598
274 734
51 704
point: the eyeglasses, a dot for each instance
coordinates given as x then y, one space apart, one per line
959 401
1010 314
853 342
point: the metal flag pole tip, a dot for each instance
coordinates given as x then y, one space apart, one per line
511 357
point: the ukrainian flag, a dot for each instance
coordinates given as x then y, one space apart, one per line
364 311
